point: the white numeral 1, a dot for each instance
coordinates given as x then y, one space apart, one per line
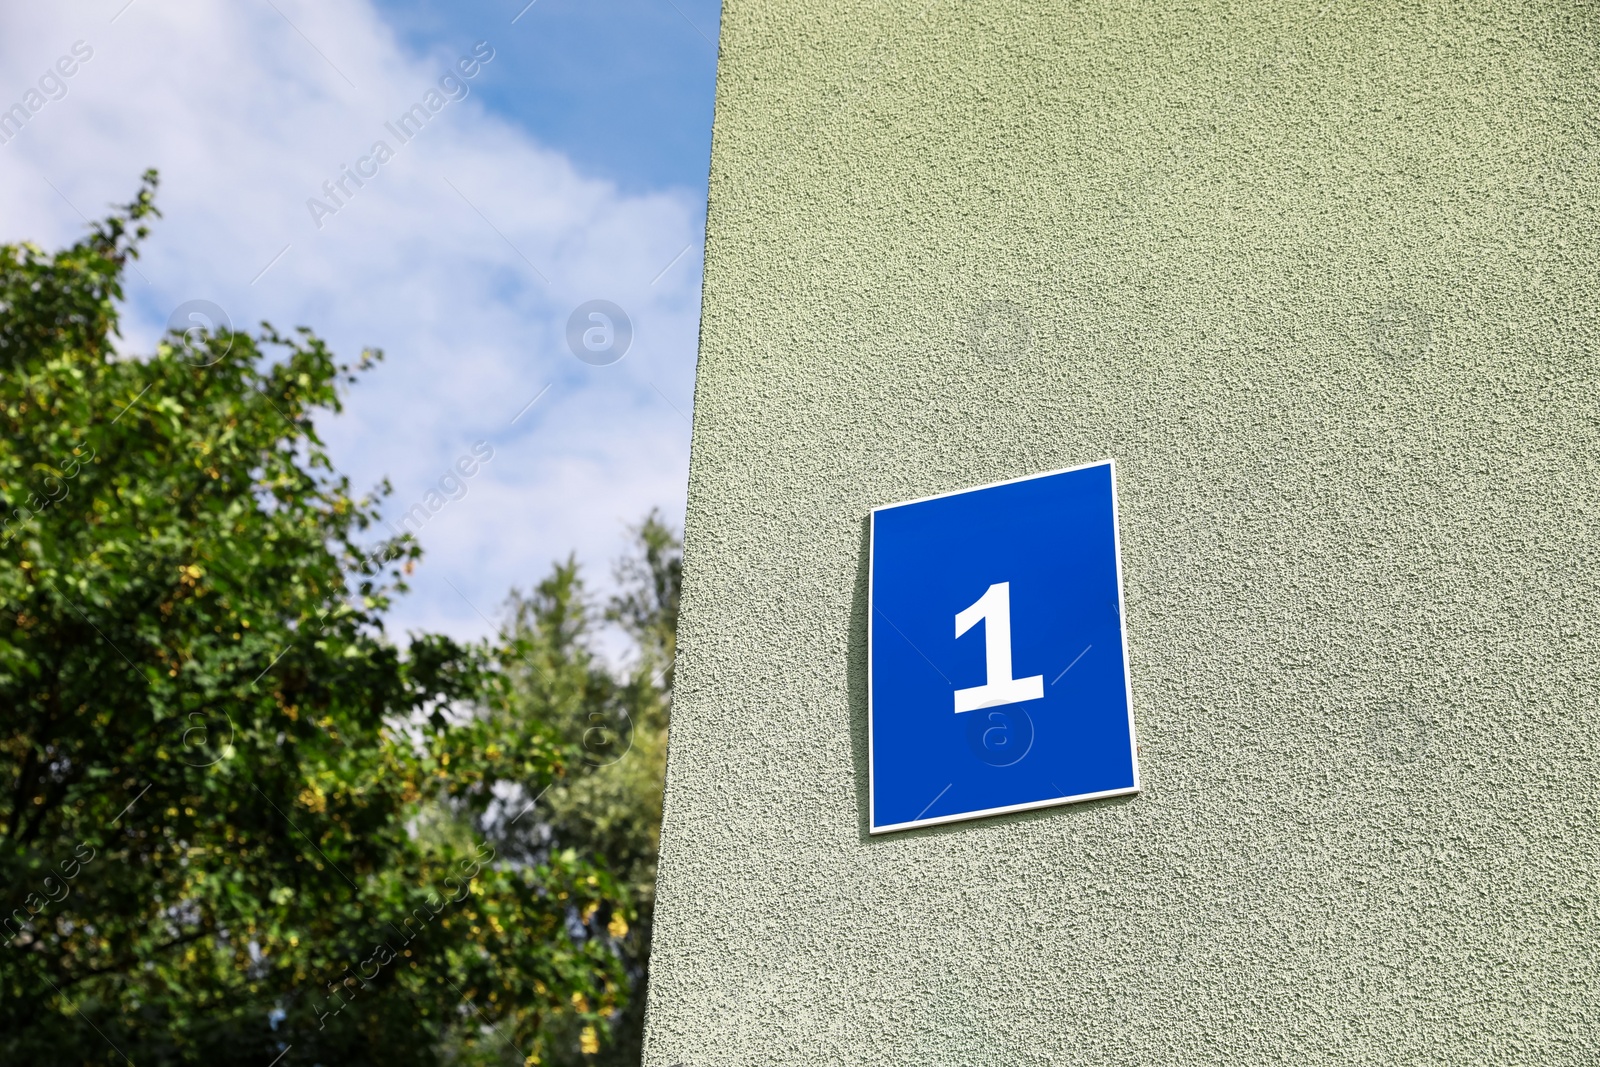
994 608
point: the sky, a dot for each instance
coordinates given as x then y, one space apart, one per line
555 155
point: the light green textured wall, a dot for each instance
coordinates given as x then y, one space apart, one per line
1324 283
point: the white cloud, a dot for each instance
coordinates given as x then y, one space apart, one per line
437 259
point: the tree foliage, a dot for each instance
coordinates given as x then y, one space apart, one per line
236 820
613 723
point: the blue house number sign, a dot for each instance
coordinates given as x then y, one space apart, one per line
997 657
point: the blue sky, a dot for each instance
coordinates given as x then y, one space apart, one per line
569 167
622 87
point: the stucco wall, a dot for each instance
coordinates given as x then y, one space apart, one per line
1324 283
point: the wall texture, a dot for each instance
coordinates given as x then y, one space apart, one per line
1324 283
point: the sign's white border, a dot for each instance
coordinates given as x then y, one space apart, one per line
1127 674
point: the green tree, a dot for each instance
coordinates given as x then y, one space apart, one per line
235 819
613 724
